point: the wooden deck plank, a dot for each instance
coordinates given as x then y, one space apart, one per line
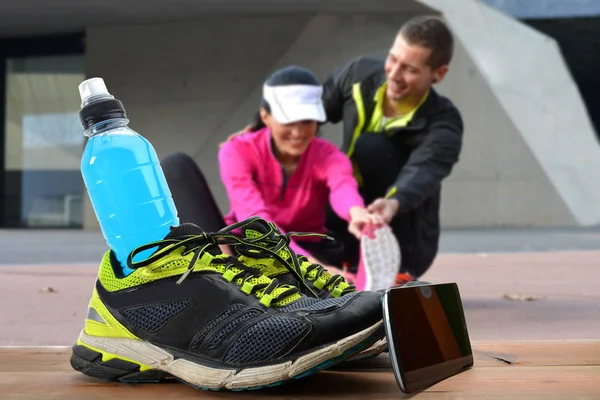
548 370
554 382
488 354
516 353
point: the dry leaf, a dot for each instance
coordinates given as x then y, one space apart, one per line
522 297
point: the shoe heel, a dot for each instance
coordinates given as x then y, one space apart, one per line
89 362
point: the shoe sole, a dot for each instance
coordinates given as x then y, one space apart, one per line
380 254
130 360
376 349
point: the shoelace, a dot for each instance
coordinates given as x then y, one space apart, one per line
205 247
276 241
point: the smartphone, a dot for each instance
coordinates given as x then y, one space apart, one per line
427 334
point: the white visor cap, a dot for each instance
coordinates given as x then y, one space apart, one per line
293 103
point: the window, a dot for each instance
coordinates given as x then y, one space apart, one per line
43 141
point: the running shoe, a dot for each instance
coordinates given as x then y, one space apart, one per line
403 278
260 243
379 258
189 312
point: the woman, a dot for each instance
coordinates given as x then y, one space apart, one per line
281 171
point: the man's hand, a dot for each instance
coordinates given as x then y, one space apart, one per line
245 130
385 208
359 217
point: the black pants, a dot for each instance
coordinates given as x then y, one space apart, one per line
196 204
194 200
380 160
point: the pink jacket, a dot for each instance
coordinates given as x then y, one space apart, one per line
254 182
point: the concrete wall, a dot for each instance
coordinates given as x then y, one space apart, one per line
187 92
549 126
497 181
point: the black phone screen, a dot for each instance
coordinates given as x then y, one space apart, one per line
427 334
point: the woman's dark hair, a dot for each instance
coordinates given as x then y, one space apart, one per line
292 75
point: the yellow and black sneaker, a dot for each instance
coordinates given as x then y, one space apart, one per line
191 313
262 245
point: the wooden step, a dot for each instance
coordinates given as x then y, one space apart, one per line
548 370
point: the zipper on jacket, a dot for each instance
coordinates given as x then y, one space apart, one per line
283 183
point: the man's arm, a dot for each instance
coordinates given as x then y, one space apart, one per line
429 163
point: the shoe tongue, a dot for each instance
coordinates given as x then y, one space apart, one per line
185 229
258 229
261 229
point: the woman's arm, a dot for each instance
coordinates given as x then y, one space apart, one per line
344 196
236 171
343 188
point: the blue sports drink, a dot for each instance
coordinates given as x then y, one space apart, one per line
123 176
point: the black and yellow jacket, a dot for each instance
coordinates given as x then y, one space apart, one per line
433 137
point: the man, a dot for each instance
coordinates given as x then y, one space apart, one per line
402 136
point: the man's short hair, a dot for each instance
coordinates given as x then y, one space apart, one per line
432 33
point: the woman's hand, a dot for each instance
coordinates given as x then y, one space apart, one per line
359 217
